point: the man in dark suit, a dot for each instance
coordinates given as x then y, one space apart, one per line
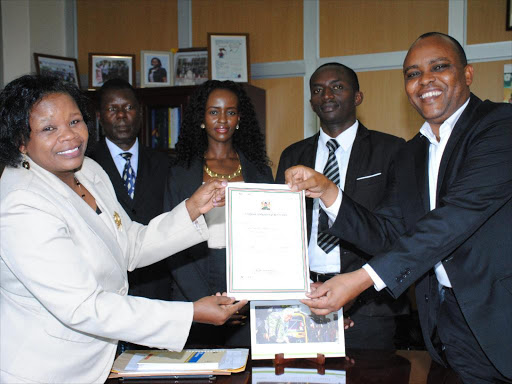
446 222
363 159
120 117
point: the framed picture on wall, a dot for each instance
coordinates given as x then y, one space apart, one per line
65 68
509 15
191 66
229 56
106 66
156 68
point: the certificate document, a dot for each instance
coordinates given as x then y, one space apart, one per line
266 245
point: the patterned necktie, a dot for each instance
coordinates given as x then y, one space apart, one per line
325 241
128 175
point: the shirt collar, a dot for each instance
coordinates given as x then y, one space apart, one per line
116 151
345 139
446 128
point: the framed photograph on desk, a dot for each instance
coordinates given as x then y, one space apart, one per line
289 327
66 68
106 66
229 57
156 68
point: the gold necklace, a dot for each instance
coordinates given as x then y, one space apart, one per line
215 175
79 185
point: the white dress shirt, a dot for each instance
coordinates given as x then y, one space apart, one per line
319 261
435 154
119 160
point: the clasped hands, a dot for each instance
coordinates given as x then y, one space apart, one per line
342 289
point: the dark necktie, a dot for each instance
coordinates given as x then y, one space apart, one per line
128 175
332 172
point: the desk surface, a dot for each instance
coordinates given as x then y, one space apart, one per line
364 367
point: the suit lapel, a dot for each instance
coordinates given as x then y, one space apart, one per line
459 129
420 154
308 158
142 173
358 154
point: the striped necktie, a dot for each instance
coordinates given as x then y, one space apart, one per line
332 172
128 175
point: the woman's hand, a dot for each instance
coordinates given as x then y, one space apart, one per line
207 196
216 310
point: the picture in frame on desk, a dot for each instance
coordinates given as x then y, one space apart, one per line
228 55
106 66
289 327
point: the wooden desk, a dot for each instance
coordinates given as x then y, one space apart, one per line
366 367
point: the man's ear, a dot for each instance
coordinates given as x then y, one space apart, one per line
358 98
468 74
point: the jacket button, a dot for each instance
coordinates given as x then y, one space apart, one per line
123 291
426 298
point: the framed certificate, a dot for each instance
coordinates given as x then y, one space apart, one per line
229 57
266 242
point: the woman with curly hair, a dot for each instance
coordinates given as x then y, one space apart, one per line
221 138
67 245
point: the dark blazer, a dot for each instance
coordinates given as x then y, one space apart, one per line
371 154
469 231
200 271
152 281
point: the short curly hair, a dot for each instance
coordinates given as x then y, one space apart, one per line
248 139
16 102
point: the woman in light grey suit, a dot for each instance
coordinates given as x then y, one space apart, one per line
67 244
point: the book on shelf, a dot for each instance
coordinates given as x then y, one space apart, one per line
165 127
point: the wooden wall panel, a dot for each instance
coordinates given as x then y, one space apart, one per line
486 21
274 27
285 117
125 26
488 80
385 105
351 27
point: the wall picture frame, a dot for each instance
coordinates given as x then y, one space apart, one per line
156 69
106 66
65 68
190 66
229 57
509 15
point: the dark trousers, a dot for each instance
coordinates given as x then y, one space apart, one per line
460 347
371 332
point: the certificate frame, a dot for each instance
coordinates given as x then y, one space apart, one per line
106 66
65 68
266 242
229 57
289 327
166 64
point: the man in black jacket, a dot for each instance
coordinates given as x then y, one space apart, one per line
360 159
140 189
445 223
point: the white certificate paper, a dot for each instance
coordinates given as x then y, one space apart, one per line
266 245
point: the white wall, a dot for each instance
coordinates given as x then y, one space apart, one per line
28 26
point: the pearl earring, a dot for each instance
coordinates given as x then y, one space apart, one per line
203 126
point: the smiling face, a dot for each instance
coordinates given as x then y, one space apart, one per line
221 115
436 82
58 135
333 99
120 117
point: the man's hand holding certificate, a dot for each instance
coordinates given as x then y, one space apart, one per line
266 242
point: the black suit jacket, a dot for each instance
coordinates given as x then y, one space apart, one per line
371 154
469 231
152 281
200 271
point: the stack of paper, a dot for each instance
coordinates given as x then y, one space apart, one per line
188 362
